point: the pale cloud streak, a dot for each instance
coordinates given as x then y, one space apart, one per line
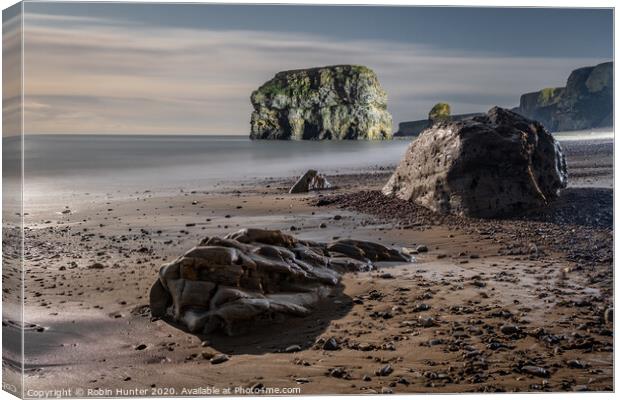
90 75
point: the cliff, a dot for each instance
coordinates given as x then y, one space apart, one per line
586 101
335 102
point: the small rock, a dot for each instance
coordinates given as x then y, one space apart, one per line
421 307
385 370
510 329
365 347
609 315
220 358
338 372
536 371
427 322
293 348
576 364
421 249
331 345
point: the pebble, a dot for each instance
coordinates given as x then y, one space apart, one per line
427 322
403 381
536 371
293 348
421 307
338 372
575 364
509 329
331 344
366 347
220 358
385 370
421 249
609 315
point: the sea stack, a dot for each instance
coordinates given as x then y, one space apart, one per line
488 166
334 103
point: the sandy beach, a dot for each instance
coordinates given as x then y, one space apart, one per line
492 305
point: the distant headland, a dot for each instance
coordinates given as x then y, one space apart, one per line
585 102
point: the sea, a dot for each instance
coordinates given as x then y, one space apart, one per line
57 165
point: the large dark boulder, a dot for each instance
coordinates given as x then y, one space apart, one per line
586 102
487 166
253 276
335 102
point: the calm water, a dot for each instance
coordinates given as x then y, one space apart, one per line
87 163
57 165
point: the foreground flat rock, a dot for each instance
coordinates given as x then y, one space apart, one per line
336 102
492 165
255 276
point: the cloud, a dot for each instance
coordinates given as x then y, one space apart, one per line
11 76
90 75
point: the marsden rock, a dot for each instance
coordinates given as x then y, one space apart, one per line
254 276
336 102
487 166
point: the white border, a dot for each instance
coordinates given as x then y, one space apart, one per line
469 3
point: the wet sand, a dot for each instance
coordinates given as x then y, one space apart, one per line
511 305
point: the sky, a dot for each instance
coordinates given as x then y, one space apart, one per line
190 69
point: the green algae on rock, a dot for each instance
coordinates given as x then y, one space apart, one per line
439 113
336 102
